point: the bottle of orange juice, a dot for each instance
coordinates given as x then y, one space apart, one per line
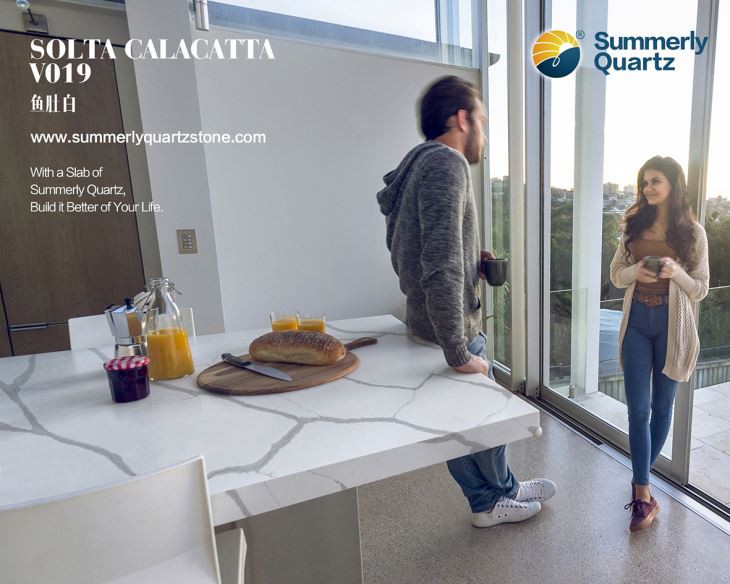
167 341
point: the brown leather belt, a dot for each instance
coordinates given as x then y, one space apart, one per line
651 300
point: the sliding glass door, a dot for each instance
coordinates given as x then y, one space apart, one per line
601 124
709 463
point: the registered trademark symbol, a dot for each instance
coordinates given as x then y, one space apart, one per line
580 34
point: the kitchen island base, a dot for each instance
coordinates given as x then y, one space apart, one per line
312 542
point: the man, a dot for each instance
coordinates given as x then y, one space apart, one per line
433 237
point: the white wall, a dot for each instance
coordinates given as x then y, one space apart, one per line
169 103
138 171
296 220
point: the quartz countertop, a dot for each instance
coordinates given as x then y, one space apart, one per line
402 409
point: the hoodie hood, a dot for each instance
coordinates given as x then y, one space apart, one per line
396 179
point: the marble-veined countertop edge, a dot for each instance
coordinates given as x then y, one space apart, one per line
402 409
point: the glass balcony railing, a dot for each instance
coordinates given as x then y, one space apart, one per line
713 366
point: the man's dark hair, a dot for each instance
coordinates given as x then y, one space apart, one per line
443 99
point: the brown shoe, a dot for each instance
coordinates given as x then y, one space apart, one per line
642 513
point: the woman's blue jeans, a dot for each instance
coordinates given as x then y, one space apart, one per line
484 476
643 353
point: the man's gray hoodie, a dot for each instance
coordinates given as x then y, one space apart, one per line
433 238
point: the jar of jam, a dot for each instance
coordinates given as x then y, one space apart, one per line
128 378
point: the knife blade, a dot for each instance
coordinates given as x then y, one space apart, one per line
256 367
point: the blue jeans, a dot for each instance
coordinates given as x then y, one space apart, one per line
643 353
484 476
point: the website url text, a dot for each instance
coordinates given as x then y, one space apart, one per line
148 138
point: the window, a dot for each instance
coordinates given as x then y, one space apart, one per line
499 309
710 448
408 18
431 30
603 128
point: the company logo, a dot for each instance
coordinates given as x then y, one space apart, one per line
664 48
556 53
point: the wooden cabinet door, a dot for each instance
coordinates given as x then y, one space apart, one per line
53 265
5 349
27 341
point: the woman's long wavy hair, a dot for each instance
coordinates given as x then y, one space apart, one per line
641 215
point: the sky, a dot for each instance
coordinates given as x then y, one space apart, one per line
647 112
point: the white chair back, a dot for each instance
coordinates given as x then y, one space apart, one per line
146 530
188 322
89 332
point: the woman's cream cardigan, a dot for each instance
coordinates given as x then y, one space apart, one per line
685 288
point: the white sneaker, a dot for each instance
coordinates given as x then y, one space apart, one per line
505 511
535 490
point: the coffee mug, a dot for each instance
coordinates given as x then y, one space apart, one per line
495 270
653 264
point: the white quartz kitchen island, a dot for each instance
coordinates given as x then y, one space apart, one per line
402 409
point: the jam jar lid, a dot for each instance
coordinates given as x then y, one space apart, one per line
124 363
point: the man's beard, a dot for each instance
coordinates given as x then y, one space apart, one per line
473 149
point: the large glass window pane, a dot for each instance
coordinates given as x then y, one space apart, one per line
646 113
562 145
498 141
409 18
431 30
710 454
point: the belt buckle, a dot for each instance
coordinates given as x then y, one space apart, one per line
650 300
653 301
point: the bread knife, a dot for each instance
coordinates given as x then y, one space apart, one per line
255 367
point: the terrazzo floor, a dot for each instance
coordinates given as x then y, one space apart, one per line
415 528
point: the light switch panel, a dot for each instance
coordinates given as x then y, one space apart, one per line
186 242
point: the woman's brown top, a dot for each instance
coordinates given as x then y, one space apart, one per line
688 285
641 248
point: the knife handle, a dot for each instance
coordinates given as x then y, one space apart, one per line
361 342
228 358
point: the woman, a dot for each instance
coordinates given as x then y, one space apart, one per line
658 341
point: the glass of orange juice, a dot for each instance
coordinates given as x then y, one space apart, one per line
283 321
311 321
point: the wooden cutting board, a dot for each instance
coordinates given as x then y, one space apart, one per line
231 380
225 378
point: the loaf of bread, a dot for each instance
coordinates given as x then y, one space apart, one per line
303 347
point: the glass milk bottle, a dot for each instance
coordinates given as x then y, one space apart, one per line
167 342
